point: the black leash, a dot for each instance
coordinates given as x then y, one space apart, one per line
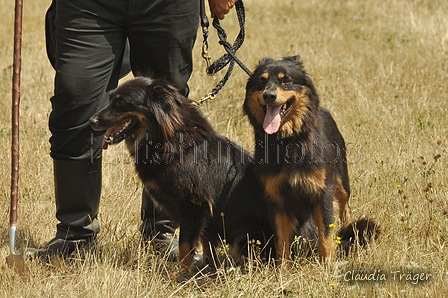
227 59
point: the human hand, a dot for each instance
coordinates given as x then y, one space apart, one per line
219 8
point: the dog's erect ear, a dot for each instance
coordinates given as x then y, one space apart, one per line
296 59
264 61
162 103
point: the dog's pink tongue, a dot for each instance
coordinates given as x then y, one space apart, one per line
272 119
106 135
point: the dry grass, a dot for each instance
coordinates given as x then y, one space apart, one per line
380 67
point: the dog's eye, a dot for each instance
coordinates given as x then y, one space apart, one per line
261 80
286 80
120 103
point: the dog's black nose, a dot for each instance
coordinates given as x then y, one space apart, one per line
269 96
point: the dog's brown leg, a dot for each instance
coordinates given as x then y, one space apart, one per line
325 242
341 196
284 227
185 257
187 237
207 250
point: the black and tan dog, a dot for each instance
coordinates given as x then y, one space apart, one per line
300 155
205 182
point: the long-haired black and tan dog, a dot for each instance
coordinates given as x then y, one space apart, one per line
300 155
205 182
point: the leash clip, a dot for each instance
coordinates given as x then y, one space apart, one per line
209 96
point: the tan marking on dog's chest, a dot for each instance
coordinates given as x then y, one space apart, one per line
312 182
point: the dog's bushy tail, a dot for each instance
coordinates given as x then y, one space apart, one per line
357 234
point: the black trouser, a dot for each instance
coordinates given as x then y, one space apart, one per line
90 37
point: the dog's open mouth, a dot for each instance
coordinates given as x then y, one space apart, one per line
117 133
274 115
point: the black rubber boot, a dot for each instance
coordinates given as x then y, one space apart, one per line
157 227
77 191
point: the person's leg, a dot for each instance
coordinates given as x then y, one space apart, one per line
162 34
88 53
77 186
88 59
